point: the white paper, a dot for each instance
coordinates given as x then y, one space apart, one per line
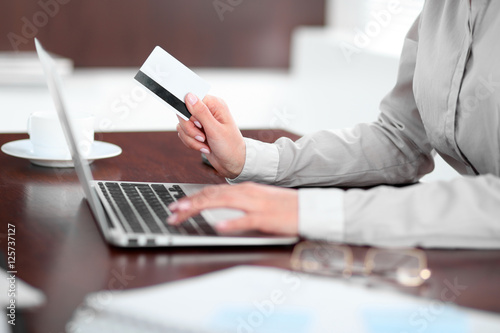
257 299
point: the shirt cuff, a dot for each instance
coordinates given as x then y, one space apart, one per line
321 214
261 163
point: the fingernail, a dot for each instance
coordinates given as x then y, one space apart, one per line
192 99
173 205
184 205
198 124
222 225
172 218
199 138
205 151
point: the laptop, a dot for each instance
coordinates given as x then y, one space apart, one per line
133 214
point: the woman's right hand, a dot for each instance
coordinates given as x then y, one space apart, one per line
212 130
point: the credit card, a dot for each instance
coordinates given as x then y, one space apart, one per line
170 81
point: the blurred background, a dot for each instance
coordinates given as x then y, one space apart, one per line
297 65
203 33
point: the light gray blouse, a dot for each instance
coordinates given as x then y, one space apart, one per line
446 100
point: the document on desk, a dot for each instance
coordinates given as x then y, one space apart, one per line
249 299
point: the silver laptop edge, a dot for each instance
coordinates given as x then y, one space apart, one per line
81 164
104 214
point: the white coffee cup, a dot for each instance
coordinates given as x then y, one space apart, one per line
47 136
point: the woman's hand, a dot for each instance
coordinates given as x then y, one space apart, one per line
213 131
267 208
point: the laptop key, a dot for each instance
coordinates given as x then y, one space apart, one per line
163 193
204 225
195 226
119 198
199 220
189 228
157 207
141 206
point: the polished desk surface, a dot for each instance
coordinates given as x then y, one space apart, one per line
60 250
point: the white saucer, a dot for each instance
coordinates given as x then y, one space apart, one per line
24 149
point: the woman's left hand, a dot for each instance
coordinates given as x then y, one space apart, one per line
267 208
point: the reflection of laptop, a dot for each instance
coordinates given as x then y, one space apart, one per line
132 214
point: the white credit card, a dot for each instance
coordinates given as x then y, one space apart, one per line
170 81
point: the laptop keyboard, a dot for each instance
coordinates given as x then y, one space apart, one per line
143 209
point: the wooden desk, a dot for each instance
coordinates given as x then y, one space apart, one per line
60 250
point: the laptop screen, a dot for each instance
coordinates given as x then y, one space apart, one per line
81 164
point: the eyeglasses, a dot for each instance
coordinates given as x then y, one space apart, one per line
407 267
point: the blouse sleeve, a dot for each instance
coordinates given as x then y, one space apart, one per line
392 150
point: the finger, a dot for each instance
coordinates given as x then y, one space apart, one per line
197 143
253 221
196 122
218 108
190 129
221 196
192 119
240 224
200 111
